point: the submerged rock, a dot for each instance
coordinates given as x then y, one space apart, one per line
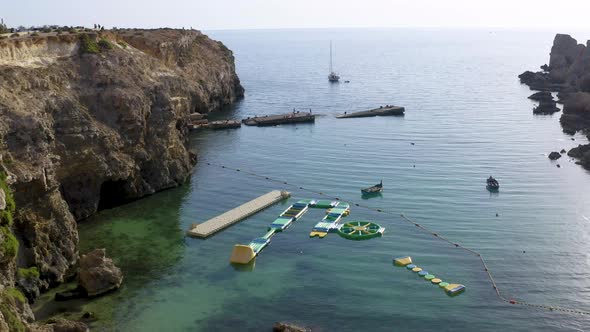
287 327
98 274
554 155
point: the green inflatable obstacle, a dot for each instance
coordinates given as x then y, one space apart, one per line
360 230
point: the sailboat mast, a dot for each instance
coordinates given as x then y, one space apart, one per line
331 56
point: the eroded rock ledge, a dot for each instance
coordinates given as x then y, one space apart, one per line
568 73
84 130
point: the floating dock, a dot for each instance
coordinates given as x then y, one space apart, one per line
381 111
241 212
224 124
273 120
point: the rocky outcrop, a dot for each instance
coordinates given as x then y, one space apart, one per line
98 274
554 155
87 131
576 113
582 153
546 107
568 73
541 96
93 120
287 327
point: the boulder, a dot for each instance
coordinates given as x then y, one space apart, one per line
286 327
98 274
562 151
546 107
554 155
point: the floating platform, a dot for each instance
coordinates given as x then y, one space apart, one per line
273 120
241 212
381 111
360 230
331 222
224 124
245 253
450 289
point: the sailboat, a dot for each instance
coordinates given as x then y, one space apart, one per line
333 77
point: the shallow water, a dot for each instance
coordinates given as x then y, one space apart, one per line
468 117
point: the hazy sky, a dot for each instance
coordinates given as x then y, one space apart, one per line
253 14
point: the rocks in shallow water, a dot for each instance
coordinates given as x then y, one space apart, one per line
286 327
98 274
562 151
546 107
71 294
554 155
64 325
541 96
88 315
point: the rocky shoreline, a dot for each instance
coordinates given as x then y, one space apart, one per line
568 74
91 120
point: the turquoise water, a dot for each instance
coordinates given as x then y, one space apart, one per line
468 118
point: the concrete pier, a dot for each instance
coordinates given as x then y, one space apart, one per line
241 212
273 120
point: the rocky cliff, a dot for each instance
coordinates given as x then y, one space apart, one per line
91 120
568 73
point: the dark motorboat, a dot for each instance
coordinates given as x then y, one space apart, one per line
492 184
374 189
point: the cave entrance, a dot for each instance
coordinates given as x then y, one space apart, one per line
112 193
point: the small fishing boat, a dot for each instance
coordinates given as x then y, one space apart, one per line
492 184
374 189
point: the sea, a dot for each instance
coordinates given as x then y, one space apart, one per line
467 118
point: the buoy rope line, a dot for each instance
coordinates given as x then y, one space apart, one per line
419 226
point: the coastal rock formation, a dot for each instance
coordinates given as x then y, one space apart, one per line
98 274
546 107
554 155
541 96
582 153
576 113
568 73
91 120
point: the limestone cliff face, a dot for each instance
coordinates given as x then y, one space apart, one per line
85 128
568 73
